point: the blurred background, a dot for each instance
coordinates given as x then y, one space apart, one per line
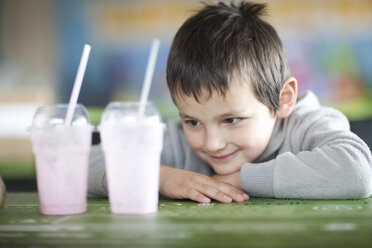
328 44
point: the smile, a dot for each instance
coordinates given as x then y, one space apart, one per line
224 157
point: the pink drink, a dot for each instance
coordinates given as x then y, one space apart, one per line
58 196
62 157
132 148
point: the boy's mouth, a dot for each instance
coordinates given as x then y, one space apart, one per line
223 157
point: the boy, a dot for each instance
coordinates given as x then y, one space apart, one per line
242 131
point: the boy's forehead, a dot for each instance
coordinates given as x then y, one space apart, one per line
235 89
237 96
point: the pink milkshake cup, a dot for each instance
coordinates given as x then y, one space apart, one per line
132 146
61 155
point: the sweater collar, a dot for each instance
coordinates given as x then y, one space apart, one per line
279 130
276 140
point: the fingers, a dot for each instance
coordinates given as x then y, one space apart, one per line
194 195
211 189
181 184
214 193
236 194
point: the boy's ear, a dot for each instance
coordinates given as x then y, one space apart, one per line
288 98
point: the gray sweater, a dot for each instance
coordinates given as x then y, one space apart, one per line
311 155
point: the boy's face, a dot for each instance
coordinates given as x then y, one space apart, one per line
227 131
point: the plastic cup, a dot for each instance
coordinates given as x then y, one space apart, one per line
62 156
132 146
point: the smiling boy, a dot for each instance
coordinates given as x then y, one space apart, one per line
242 130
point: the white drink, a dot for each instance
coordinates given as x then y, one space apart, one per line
132 148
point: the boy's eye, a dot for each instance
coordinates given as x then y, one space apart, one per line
233 121
193 123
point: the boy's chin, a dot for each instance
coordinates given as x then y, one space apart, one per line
221 169
225 171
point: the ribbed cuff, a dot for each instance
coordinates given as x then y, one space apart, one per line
257 179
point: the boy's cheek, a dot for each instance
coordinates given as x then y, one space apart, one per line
194 140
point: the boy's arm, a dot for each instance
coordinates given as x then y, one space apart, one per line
321 160
183 184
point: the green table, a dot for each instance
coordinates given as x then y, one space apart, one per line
255 223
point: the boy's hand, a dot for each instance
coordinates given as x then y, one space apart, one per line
233 179
183 184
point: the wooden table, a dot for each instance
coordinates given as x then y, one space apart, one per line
255 223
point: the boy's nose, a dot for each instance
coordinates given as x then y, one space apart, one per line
214 141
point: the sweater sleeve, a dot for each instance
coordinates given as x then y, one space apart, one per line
167 154
319 159
97 185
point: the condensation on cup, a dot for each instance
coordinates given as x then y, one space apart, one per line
132 147
62 157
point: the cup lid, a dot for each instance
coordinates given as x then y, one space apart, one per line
128 112
54 115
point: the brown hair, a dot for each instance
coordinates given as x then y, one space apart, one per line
223 41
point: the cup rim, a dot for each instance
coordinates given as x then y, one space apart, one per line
60 127
128 103
131 125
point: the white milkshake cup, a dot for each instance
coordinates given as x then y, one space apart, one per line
132 146
61 156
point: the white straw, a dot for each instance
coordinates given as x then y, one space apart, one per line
77 84
148 76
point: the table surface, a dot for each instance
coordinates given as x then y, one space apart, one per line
258 222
